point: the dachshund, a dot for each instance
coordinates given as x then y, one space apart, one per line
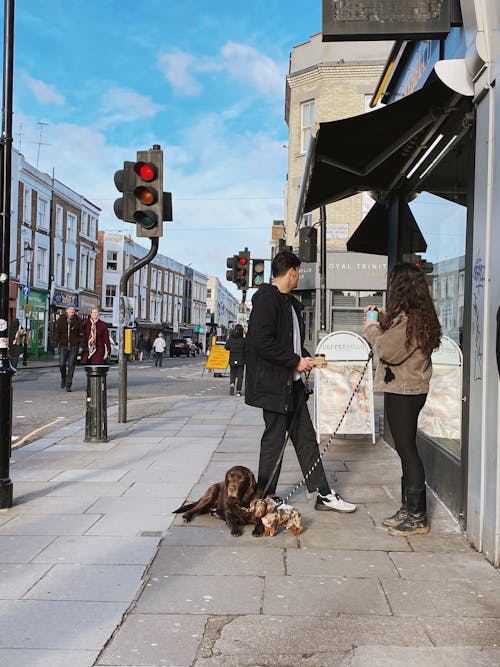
273 516
229 500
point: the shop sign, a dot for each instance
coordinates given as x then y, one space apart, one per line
37 300
61 299
385 19
86 302
356 271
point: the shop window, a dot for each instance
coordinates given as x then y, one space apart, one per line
443 225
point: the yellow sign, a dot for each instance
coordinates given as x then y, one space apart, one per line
27 308
218 357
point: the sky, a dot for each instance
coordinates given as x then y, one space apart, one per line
95 81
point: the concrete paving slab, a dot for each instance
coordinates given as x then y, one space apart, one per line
85 475
90 489
466 567
323 596
162 639
410 597
202 594
238 445
106 583
38 524
301 636
339 563
98 550
17 474
439 542
387 656
331 520
17 579
347 537
127 505
47 658
209 531
131 524
237 560
463 631
171 489
22 548
51 505
64 625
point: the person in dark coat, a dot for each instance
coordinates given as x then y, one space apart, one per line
16 341
68 338
276 360
237 359
96 340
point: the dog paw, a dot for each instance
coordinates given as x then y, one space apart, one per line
258 531
236 532
187 519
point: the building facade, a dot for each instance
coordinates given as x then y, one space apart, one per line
222 308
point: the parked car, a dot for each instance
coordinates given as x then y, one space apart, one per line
180 346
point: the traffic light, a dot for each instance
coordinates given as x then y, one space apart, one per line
257 272
232 265
242 269
143 200
423 264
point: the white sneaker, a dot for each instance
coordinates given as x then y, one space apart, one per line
333 502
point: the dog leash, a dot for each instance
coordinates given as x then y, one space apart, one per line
330 439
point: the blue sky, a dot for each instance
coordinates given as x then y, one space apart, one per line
204 79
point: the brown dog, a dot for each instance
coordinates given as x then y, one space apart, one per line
273 516
229 500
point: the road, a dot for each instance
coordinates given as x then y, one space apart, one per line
40 406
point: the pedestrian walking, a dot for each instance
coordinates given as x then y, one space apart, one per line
141 347
68 338
159 347
276 360
149 347
236 345
96 342
403 338
17 336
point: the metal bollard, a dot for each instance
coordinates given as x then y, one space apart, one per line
96 421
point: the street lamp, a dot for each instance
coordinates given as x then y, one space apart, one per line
28 258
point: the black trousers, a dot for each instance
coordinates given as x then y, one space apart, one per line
67 363
303 438
236 375
402 415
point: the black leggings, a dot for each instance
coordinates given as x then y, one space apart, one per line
402 415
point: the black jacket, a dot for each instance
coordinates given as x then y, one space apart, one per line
237 349
270 356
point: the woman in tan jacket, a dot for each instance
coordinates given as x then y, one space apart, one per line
404 338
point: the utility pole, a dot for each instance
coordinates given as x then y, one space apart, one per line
6 370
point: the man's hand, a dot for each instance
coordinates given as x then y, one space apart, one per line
305 364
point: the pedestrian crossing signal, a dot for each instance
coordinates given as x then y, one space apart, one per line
257 272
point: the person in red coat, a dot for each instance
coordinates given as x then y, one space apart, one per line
96 340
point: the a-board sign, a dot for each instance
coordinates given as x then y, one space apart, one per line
346 354
218 358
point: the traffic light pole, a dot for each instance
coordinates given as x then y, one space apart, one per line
6 371
122 361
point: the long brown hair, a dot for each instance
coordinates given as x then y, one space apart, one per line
408 294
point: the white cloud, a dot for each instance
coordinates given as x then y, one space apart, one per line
239 62
119 105
44 92
175 68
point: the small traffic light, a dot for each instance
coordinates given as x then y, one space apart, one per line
257 272
143 200
242 269
232 265
425 266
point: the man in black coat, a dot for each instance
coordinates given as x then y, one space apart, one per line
276 359
237 359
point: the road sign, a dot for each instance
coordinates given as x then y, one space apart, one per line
26 290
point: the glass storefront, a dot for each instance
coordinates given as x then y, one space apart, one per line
443 225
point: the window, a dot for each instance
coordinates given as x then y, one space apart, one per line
71 227
84 260
450 288
43 214
91 280
306 123
112 260
85 224
58 269
70 273
41 259
110 295
27 204
59 221
153 279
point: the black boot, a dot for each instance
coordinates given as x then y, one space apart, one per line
416 522
402 512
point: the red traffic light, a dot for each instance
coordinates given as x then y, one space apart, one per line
242 261
145 170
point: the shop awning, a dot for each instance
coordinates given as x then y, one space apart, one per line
370 152
372 234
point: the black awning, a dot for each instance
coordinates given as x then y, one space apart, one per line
371 235
369 152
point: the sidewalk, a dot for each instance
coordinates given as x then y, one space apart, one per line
97 571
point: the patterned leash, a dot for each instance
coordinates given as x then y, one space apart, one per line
330 439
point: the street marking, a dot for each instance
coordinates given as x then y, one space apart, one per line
20 416
37 430
28 401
